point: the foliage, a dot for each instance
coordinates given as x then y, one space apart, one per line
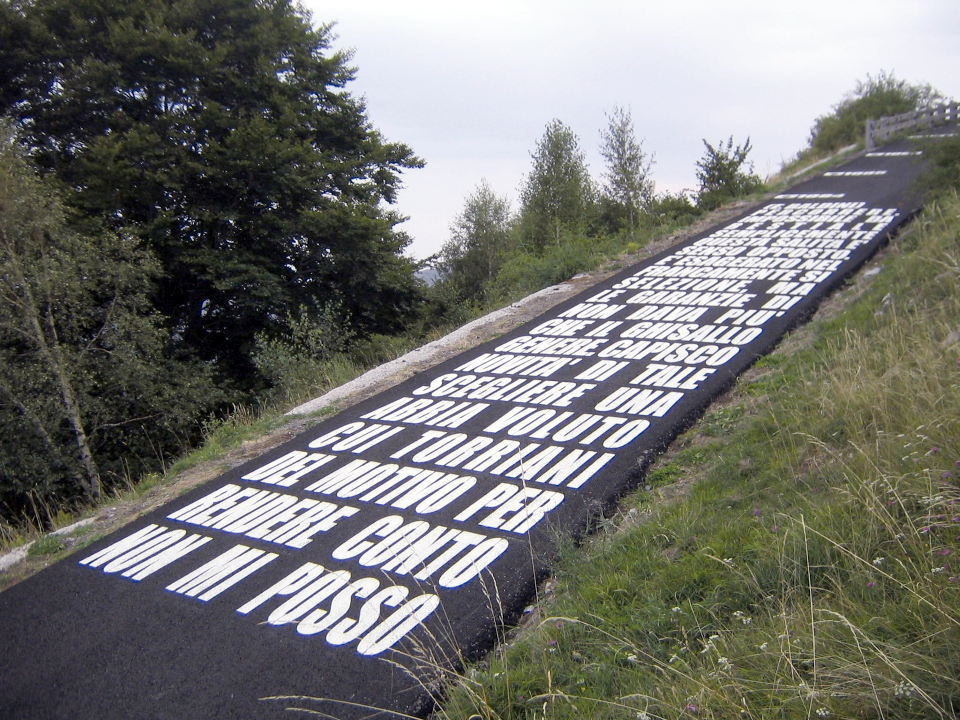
88 391
628 187
300 361
724 174
876 97
479 237
220 134
943 158
669 210
558 192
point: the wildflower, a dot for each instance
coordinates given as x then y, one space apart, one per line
870 584
764 646
934 450
925 529
728 561
673 658
903 689
632 658
690 707
823 713
773 528
946 474
675 609
756 512
936 570
878 561
642 716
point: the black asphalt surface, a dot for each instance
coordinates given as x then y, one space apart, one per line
394 537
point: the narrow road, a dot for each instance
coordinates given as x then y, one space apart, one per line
398 535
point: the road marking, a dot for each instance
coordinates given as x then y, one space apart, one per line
894 154
811 196
855 173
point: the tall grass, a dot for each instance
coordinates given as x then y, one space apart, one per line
812 571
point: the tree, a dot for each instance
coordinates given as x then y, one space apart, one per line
725 174
558 192
876 97
479 236
628 186
220 133
87 391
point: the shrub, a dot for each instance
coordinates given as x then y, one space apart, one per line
725 174
876 97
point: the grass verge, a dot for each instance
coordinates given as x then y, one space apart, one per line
811 570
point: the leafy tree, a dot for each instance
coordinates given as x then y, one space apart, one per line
479 236
725 174
87 391
627 186
876 97
558 192
220 133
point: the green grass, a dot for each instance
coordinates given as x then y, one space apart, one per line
812 571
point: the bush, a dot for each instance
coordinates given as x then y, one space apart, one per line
671 210
876 97
725 174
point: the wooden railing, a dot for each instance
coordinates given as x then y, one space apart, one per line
885 127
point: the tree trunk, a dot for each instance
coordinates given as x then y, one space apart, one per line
46 338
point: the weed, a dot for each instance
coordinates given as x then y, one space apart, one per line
47 545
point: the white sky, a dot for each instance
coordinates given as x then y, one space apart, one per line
470 86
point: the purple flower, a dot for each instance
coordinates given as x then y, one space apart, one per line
870 584
756 512
691 707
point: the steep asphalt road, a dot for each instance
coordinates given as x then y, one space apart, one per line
395 536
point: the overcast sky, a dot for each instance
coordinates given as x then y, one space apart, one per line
470 86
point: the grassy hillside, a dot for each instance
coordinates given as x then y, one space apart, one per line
795 554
